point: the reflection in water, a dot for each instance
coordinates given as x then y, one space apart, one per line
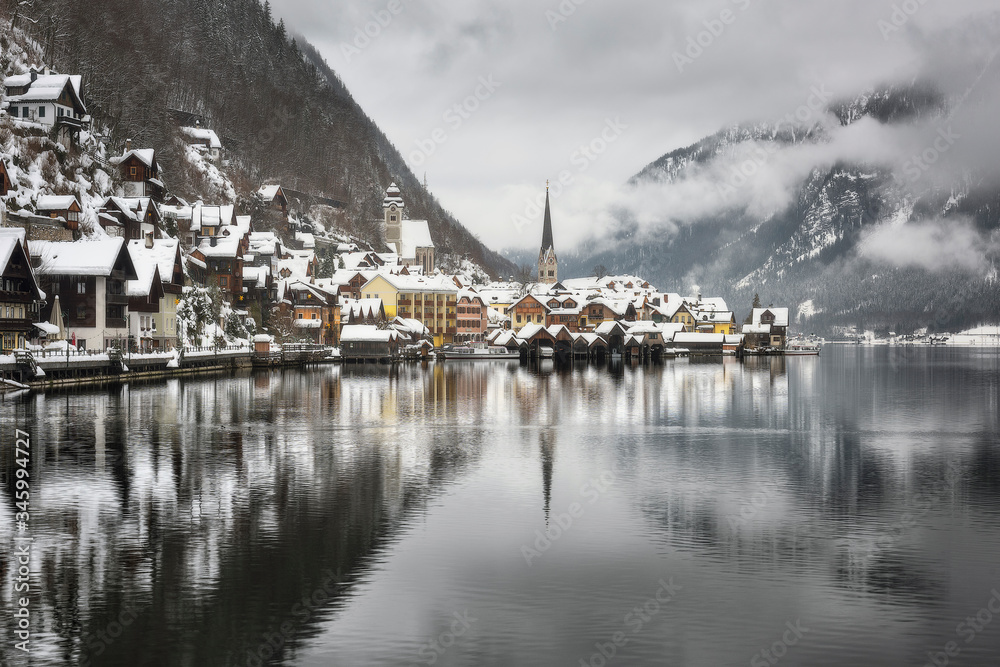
346 515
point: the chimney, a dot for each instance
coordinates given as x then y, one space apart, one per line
46 71
149 240
128 145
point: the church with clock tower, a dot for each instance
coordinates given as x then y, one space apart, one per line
548 263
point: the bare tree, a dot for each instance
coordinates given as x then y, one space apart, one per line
600 271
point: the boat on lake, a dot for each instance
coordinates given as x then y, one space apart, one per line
802 349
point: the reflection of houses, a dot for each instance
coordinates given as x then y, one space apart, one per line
19 293
89 277
768 328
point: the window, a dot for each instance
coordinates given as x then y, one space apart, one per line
314 316
13 112
300 316
81 312
41 112
133 171
54 288
81 287
223 282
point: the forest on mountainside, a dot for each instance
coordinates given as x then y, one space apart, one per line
283 115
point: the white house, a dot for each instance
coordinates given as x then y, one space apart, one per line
47 99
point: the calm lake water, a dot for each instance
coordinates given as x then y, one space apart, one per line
842 510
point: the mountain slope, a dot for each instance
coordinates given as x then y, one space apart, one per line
813 216
283 115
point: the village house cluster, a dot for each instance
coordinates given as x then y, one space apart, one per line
120 282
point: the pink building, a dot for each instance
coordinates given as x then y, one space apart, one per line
473 316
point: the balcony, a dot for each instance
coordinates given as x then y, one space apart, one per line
405 302
116 299
115 323
16 324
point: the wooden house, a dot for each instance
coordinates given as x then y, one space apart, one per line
140 173
6 185
90 279
19 292
64 208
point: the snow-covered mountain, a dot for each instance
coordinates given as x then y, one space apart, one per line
870 212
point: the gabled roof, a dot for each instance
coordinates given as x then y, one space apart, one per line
10 247
270 192
56 203
47 88
780 316
165 253
414 234
147 156
97 257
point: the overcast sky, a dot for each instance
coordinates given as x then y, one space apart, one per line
622 77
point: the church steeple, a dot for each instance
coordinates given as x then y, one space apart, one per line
548 263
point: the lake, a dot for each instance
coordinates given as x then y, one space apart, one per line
822 511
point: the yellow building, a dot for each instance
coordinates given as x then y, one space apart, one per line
431 300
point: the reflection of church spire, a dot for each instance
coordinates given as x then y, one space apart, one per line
547 452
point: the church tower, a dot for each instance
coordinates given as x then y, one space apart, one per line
548 263
393 207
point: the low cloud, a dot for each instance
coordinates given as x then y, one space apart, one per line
935 245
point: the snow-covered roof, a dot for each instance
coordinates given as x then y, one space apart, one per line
269 192
224 246
780 316
419 283
357 333
145 155
307 240
414 234
95 257
263 243
46 88
203 135
147 272
56 202
163 254
360 307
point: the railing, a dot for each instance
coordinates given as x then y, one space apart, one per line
116 299
115 323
